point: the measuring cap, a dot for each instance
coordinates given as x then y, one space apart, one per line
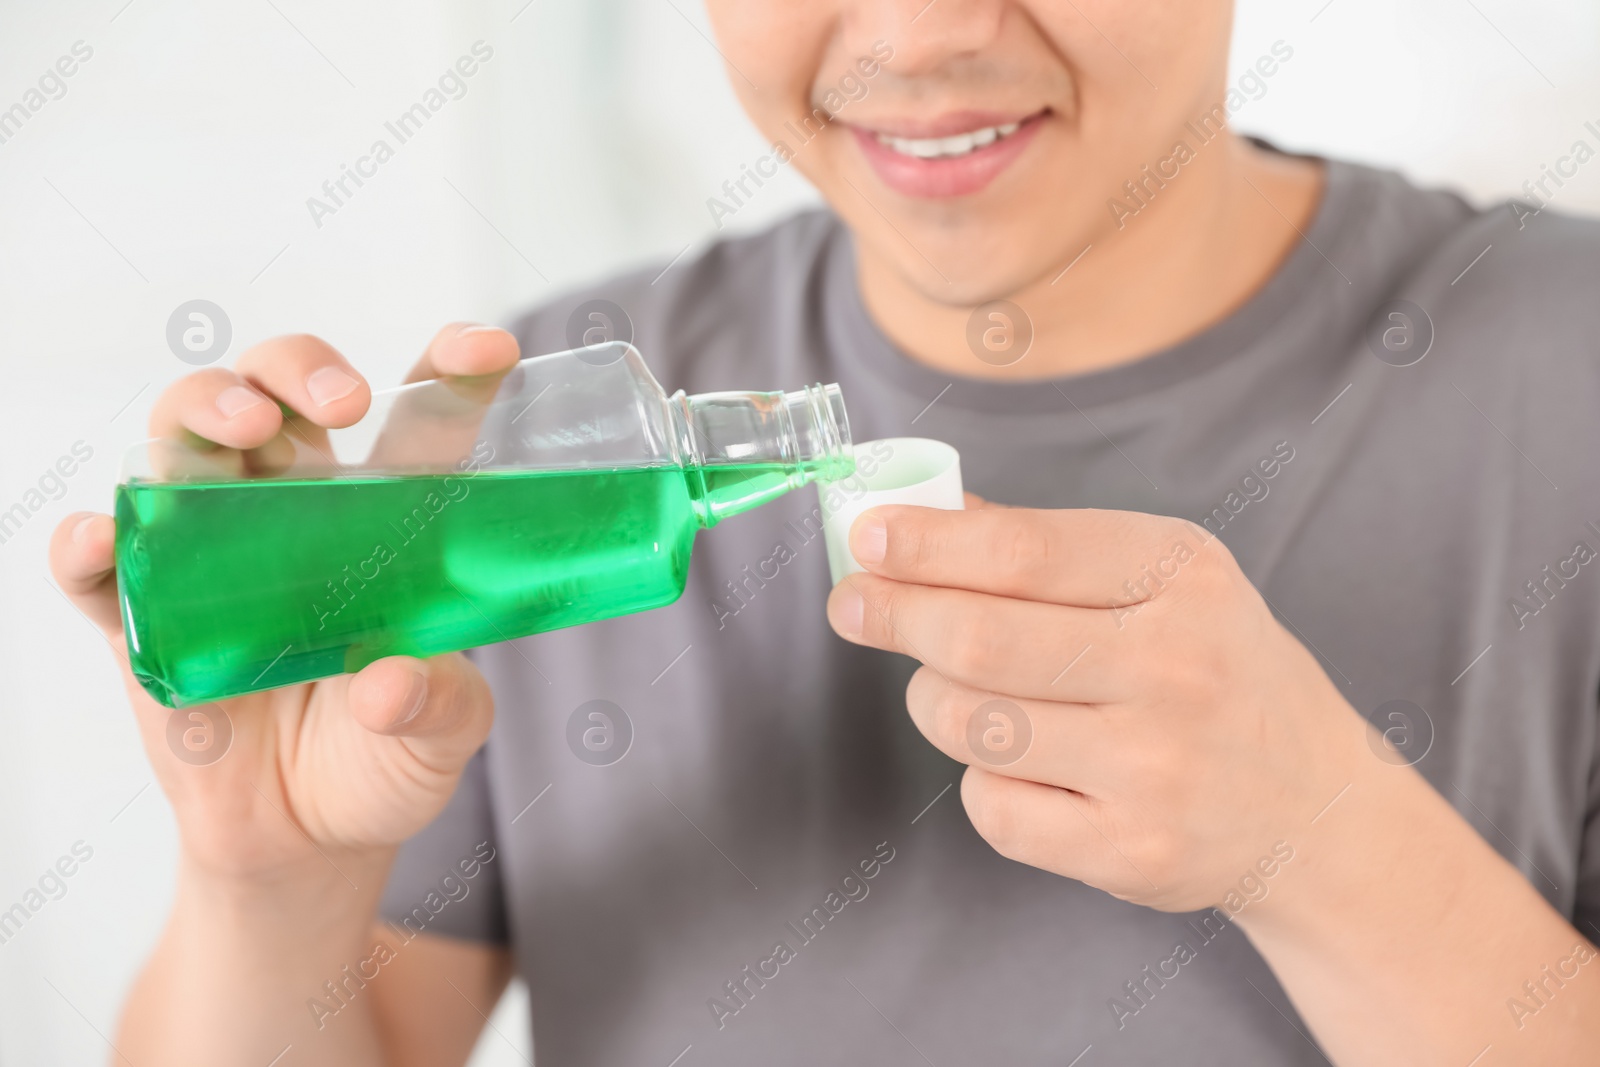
896 470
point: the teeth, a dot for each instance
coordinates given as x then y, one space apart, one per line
948 147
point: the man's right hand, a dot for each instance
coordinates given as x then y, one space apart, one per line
322 781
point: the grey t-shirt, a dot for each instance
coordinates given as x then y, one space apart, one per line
778 871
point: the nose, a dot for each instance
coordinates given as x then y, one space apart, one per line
925 34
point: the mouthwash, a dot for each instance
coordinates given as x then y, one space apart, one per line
229 586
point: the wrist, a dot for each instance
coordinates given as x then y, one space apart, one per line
1372 839
1394 899
1343 811
244 961
330 894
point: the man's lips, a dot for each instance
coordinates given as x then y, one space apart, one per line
953 155
948 124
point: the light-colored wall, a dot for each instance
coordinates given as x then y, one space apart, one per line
178 165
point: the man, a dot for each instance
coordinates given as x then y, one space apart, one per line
1340 476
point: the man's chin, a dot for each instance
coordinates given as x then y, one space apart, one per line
970 276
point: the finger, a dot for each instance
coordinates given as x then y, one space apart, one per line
1053 829
1021 647
1066 745
215 407
82 561
308 376
1082 557
439 424
465 349
974 502
441 706
315 387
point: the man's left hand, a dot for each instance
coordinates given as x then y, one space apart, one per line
1132 714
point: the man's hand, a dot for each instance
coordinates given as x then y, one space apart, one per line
1132 714
347 764
1134 717
287 838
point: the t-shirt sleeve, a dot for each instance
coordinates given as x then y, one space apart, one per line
446 879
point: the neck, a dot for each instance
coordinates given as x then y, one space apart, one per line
1197 251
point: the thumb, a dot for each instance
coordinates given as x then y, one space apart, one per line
441 706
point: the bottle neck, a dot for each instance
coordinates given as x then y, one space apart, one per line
744 449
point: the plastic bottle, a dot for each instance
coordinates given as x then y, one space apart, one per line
456 513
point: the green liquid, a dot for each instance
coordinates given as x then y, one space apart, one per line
237 587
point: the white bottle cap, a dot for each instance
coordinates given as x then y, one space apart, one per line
896 470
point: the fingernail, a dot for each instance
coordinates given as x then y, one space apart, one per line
414 699
236 398
870 542
330 384
80 532
849 611
477 329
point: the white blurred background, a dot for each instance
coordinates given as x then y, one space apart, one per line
177 166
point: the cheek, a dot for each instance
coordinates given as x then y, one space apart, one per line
1154 31
774 50
1179 45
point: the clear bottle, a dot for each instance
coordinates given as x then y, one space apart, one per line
456 513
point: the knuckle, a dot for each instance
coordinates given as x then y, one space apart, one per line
451 330
910 546
474 701
968 648
1021 544
287 350
1160 855
453 703
1160 768
193 388
880 618
296 344
1185 681
1176 658
190 394
1206 572
1151 849
1180 541
1189 531
1214 565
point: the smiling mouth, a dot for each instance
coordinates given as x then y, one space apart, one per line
956 154
954 147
